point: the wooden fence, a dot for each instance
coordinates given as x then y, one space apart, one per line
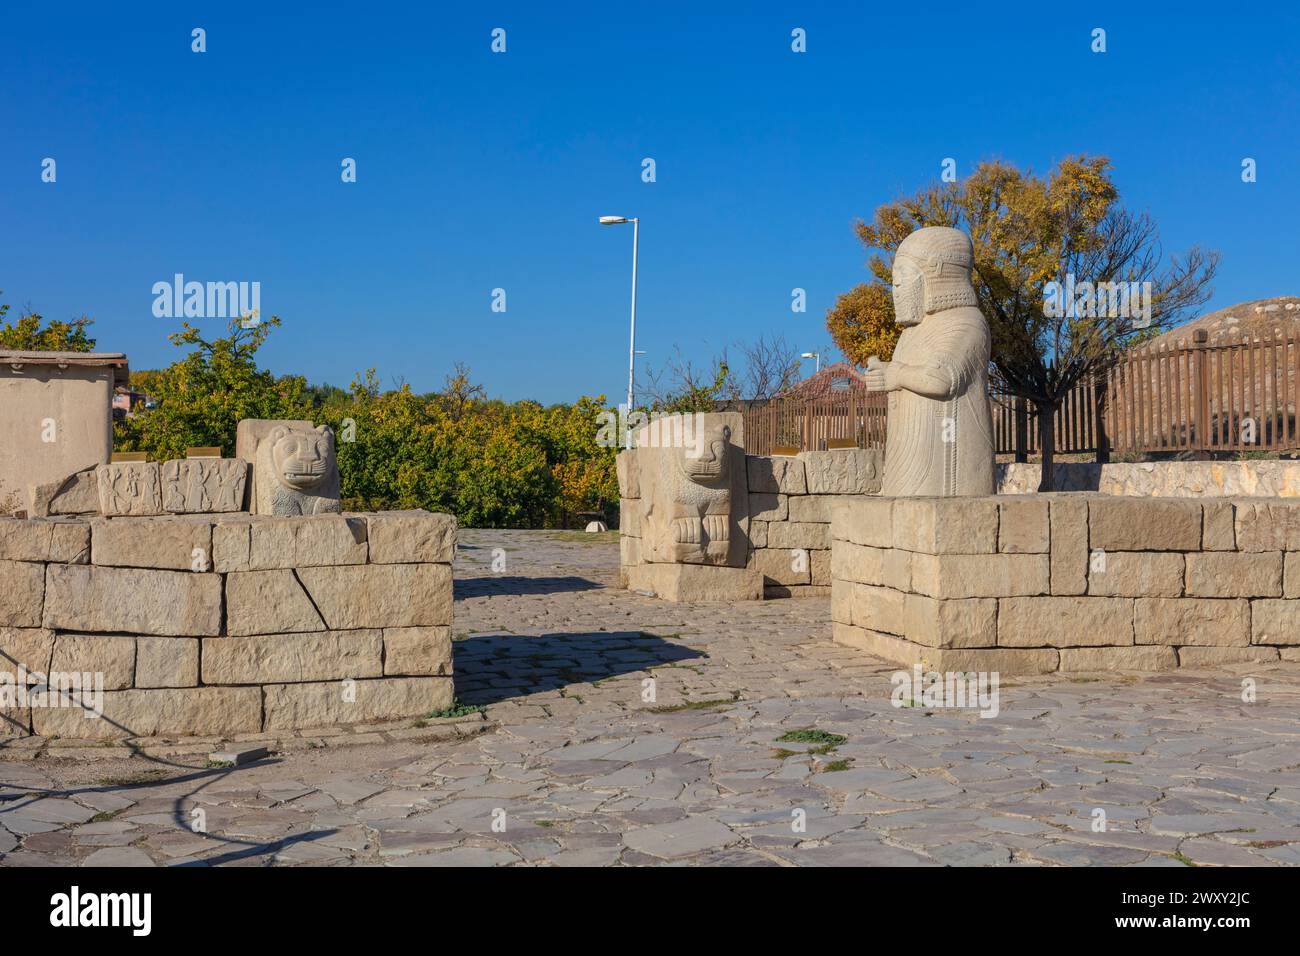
1233 395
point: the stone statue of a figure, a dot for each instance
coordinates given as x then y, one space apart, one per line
939 431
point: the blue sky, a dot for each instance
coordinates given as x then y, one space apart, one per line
478 170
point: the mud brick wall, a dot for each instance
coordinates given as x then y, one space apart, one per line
1073 582
789 514
229 624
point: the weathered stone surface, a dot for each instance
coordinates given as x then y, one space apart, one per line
1291 575
629 551
15 721
866 521
796 591
174 543
193 711
1218 526
1235 574
694 499
406 537
691 583
77 494
329 704
202 485
269 602
815 508
842 601
293 658
1064 621
1161 479
1136 574
946 525
295 471
166 661
783 566
768 507
979 575
1218 656
629 520
757 534
111 655
798 534
1144 524
1275 622
22 589
819 563
313 540
1069 530
1136 658
129 488
1023 525
28 647
897 566
417 651
878 609
880 645
969 622
44 539
858 563
1268 525
380 595
629 474
132 600
843 471
1197 621
1005 661
778 474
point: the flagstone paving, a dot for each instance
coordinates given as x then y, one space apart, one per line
631 731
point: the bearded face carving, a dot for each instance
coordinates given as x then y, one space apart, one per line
295 472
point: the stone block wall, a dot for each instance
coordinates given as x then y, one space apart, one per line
226 624
1071 582
789 518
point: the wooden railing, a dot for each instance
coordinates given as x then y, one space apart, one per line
1234 395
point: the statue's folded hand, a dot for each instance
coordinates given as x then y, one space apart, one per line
876 378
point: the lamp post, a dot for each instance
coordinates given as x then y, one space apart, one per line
631 349
814 355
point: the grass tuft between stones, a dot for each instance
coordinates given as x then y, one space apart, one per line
811 735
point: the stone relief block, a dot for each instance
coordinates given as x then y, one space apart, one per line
203 485
295 471
843 471
129 488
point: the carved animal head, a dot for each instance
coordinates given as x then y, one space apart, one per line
301 460
704 461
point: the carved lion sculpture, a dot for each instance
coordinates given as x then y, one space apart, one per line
296 472
687 519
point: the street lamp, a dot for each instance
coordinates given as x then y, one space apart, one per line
631 349
814 355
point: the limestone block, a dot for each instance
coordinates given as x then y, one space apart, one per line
202 485
798 534
782 566
815 508
15 720
878 609
629 474
970 622
417 651
77 494
768 507
230 543
380 595
1218 656
293 658
979 575
129 488
411 537
629 519
44 539
110 655
819 563
629 551
1269 524
1069 531
1218 526
1004 661
1275 622
694 505
22 589
1136 574
1144 524
1204 622
1023 525
776 475
946 525
295 471
1064 621
858 563
841 601
325 539
843 471
132 601
269 602
167 661
1291 575
757 534
691 583
27 647
866 521
190 711
175 543
1146 658
897 567
1235 574
884 646
329 704
1289 653
795 591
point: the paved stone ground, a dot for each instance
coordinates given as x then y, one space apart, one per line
582 770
